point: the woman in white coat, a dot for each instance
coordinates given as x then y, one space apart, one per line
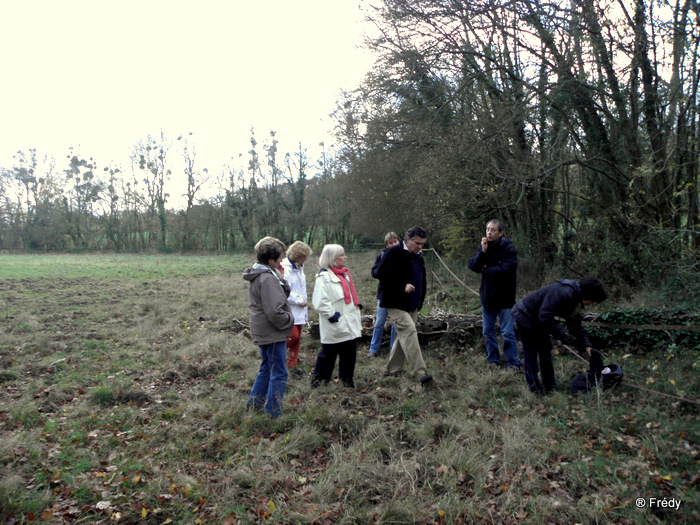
293 266
338 307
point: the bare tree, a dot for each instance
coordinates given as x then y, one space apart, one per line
558 117
149 156
195 181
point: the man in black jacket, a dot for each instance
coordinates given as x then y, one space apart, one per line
390 239
496 260
536 317
403 285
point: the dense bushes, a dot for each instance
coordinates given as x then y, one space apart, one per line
647 338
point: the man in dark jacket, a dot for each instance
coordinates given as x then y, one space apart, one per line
403 284
390 239
497 261
535 315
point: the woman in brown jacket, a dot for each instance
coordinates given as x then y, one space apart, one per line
271 320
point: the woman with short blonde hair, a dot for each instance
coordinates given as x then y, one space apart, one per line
294 275
298 249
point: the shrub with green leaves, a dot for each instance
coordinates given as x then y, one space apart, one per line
647 338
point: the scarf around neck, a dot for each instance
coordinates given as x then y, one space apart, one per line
347 284
273 271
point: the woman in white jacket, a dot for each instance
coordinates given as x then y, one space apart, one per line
338 307
294 276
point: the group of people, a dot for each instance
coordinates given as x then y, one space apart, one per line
536 314
278 310
277 302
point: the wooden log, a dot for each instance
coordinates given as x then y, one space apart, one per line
437 325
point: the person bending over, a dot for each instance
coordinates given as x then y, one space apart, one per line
536 315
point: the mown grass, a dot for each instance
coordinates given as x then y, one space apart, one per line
122 391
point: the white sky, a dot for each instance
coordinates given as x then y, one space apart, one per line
99 75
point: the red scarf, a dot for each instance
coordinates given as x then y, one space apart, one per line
348 286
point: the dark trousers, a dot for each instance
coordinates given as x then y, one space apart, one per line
537 345
346 352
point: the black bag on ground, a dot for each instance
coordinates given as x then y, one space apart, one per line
606 377
611 376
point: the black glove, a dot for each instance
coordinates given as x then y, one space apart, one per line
569 339
335 317
595 362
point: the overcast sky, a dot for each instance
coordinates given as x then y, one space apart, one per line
100 75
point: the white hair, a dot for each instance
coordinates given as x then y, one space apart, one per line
329 254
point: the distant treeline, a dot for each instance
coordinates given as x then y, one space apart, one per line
80 207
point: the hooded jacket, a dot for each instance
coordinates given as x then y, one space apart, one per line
498 267
562 299
271 319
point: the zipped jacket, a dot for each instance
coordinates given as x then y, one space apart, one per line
271 318
498 267
294 275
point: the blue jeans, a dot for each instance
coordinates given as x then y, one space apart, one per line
510 345
378 331
271 381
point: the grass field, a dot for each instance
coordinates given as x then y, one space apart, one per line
123 381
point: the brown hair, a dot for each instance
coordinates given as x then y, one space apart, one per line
269 248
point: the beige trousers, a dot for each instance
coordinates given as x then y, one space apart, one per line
406 347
